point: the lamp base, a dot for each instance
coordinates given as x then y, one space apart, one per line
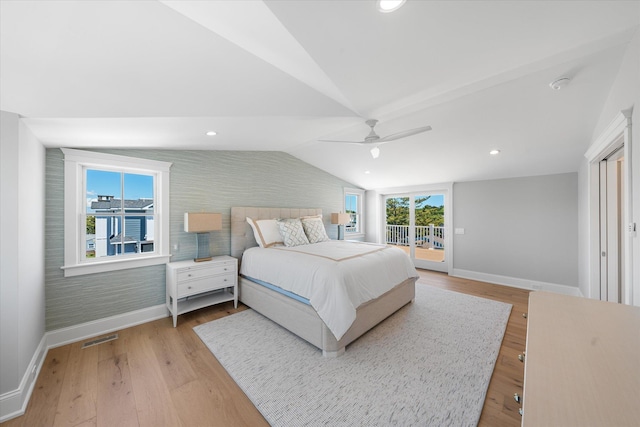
202 248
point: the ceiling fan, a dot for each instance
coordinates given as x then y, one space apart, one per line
374 139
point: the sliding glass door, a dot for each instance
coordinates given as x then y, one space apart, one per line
416 224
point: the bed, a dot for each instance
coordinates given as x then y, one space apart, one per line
295 315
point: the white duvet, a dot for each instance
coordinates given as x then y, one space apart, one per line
335 276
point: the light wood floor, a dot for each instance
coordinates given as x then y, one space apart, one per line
426 254
157 375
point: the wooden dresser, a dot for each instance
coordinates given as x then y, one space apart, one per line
582 364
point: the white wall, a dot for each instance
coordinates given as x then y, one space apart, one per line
31 211
583 231
624 94
372 220
519 231
9 375
22 299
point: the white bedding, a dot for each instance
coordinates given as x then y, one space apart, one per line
336 276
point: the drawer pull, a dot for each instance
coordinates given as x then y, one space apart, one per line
188 287
189 275
524 315
520 411
516 397
521 357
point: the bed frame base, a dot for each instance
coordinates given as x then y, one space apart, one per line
303 321
338 353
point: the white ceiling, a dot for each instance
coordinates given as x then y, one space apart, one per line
279 75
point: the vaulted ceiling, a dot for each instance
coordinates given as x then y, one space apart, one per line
280 75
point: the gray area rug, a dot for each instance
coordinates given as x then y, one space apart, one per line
429 364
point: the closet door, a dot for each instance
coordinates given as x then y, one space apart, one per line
611 227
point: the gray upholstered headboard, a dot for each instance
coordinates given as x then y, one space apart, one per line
241 233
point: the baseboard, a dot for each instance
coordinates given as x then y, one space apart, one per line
75 333
14 403
515 282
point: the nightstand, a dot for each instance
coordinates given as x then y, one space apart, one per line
193 285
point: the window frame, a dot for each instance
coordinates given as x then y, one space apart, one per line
75 164
360 211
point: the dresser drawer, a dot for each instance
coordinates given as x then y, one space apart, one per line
199 272
205 284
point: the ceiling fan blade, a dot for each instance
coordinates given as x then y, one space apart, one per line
342 142
404 134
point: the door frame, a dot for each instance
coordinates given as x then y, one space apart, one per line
616 135
444 188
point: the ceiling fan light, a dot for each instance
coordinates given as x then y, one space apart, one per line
375 152
558 84
386 6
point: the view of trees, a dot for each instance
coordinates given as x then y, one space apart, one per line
91 224
398 212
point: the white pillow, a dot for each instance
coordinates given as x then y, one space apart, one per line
292 232
314 229
266 232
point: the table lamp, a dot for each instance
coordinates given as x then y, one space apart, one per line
341 219
202 223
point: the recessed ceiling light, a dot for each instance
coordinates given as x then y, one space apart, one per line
211 133
367 172
494 152
386 6
375 152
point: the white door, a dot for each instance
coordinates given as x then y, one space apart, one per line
612 284
416 224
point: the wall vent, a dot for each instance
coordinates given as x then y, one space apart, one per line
100 340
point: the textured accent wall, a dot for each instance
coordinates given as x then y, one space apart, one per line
211 181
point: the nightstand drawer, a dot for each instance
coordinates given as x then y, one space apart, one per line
199 272
205 284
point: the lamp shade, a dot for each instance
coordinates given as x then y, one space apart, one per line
202 222
340 218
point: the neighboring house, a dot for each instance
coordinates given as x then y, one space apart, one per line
138 228
91 243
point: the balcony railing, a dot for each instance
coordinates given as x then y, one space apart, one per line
427 236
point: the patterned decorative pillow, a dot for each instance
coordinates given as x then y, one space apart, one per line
292 232
314 229
266 232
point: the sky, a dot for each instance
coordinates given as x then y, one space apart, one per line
351 203
106 183
434 200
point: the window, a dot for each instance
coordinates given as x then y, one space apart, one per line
353 205
116 212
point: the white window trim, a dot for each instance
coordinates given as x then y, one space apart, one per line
360 194
75 208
